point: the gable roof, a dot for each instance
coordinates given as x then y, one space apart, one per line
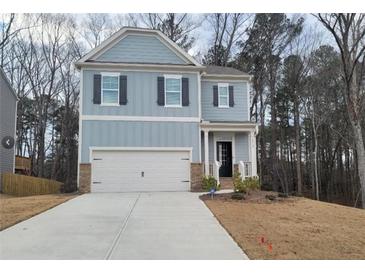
122 33
6 80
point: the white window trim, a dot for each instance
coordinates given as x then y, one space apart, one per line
102 96
170 76
223 85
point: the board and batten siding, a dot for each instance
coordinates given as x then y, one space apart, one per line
140 49
7 125
242 151
241 144
139 134
237 113
141 96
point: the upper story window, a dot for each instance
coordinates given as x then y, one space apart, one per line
223 97
173 91
110 89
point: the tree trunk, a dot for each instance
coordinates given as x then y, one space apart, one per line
360 159
262 140
298 147
315 160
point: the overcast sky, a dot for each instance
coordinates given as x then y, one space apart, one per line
203 34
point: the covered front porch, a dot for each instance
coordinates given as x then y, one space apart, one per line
227 148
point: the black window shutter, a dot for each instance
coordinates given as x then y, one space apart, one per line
161 91
123 90
231 96
97 89
215 96
185 91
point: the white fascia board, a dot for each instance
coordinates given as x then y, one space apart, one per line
140 118
138 67
222 77
244 127
161 70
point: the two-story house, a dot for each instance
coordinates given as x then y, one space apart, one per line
153 119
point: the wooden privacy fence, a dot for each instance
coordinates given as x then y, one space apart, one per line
21 185
22 165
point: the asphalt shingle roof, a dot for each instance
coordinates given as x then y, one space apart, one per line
223 70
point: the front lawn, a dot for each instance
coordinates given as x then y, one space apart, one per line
16 209
291 228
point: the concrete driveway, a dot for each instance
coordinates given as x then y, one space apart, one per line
122 226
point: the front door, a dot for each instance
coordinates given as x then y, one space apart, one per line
224 156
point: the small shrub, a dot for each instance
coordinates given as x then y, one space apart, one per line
238 183
253 183
209 182
246 185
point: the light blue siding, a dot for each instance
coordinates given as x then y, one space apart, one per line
139 134
237 113
141 49
141 95
241 144
7 125
242 150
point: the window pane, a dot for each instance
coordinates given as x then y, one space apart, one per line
110 96
110 82
172 84
223 101
223 91
172 98
223 96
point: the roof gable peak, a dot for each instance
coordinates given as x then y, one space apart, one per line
124 32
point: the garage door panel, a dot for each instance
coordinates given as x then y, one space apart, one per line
128 171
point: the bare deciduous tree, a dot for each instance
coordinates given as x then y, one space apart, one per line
228 29
96 28
348 31
176 26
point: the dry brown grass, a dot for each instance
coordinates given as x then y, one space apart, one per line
16 209
296 228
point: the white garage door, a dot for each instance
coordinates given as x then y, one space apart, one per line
130 171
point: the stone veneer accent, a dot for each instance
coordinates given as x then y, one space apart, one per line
85 178
196 176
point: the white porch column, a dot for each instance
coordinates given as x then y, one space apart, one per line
253 156
206 152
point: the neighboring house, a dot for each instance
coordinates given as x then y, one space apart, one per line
154 119
8 103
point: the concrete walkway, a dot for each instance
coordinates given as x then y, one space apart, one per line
166 225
